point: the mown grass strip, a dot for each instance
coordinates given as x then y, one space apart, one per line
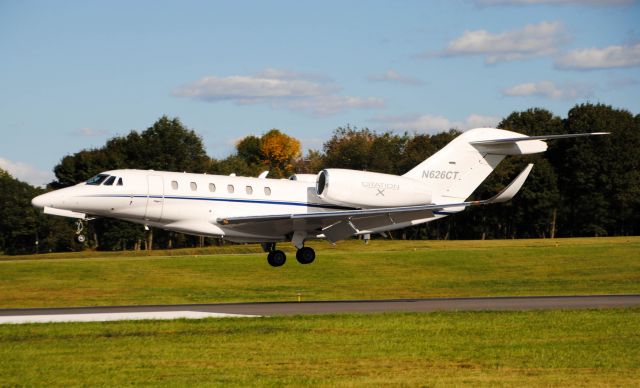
558 348
378 271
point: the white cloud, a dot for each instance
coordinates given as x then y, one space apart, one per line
434 124
249 88
26 172
331 105
392 75
600 58
312 94
479 121
533 40
548 89
555 2
289 74
90 132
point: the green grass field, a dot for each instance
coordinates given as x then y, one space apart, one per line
550 348
541 348
350 270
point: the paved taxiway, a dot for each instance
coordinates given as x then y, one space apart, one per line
325 307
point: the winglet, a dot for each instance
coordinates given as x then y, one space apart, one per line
510 191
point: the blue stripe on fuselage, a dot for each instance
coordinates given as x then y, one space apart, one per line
218 199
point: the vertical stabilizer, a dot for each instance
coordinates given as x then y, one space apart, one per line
454 172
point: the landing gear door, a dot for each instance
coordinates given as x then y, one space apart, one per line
155 198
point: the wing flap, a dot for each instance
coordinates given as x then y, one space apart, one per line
339 231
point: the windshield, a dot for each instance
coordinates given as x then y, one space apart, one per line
96 180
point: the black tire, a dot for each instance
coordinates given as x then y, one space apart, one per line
305 255
80 238
276 258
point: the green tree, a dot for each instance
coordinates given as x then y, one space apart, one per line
312 163
169 146
598 177
235 164
385 153
249 149
22 228
349 148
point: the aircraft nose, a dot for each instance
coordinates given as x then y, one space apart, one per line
40 201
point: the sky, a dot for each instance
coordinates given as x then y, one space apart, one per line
76 73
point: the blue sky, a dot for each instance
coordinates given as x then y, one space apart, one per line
75 73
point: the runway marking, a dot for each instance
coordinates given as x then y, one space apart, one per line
107 317
265 309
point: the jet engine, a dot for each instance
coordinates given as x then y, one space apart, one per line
369 189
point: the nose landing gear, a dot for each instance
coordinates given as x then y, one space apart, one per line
79 228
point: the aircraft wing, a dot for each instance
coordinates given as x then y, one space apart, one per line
336 225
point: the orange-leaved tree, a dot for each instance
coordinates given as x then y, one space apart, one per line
279 152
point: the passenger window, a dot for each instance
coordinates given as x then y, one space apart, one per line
267 191
249 190
230 188
110 181
212 187
174 185
119 181
194 187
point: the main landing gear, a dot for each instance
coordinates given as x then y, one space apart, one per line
277 258
305 255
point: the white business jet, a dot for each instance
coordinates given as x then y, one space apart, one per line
333 205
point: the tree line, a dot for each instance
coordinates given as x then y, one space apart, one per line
579 187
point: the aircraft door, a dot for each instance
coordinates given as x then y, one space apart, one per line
155 198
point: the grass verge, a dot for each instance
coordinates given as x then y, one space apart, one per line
558 348
380 270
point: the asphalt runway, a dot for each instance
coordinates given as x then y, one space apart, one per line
196 311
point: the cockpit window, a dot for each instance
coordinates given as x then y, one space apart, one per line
96 180
110 181
119 181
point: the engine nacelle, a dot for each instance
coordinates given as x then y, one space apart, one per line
370 189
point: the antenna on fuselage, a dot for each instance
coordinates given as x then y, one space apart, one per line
263 174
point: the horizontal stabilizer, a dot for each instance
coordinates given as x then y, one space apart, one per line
528 138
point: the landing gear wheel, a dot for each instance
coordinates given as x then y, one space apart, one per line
276 258
80 238
305 255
